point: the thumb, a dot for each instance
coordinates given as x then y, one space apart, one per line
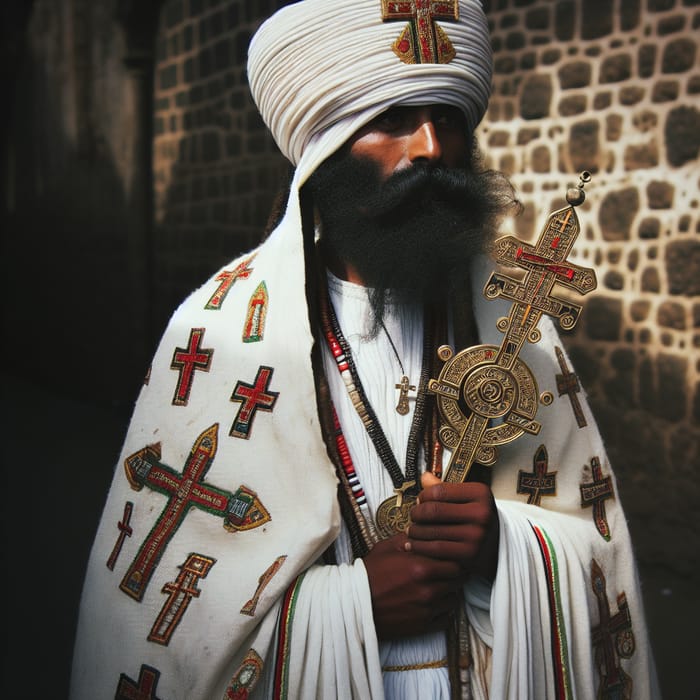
429 479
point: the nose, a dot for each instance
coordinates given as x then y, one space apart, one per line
423 143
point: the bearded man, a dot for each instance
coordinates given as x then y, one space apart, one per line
255 542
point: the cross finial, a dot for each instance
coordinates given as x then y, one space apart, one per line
422 40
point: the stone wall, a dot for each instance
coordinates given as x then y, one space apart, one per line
608 86
613 87
216 166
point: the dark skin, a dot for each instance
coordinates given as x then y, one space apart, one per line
416 577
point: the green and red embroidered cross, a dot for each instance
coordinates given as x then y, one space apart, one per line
539 482
180 593
143 689
252 397
186 361
567 383
124 532
422 40
595 493
612 638
184 492
227 279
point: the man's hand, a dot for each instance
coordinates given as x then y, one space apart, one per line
411 594
457 523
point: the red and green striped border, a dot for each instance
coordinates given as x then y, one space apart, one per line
284 639
560 655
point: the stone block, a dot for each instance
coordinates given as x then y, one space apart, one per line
650 280
584 145
602 100
614 280
537 18
535 97
679 55
641 156
683 267
649 227
596 19
632 260
527 135
645 120
498 139
646 58
167 77
670 25
631 95
665 91
660 5
572 105
603 318
639 311
540 160
619 388
616 68
660 194
629 15
617 212
565 19
671 387
576 74
515 41
671 315
682 135
551 56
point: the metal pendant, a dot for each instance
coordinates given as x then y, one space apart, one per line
394 514
487 395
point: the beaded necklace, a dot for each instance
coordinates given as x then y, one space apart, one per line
392 514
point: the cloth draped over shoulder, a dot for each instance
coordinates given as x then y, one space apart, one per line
205 579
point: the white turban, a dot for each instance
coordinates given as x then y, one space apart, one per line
320 69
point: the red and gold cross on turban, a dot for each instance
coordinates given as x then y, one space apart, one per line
422 40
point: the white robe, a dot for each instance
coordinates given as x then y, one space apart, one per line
228 635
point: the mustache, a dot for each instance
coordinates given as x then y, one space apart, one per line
415 187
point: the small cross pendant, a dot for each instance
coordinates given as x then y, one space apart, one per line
404 387
401 491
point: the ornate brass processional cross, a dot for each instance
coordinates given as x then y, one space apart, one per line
486 383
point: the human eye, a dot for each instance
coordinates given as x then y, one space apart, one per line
447 117
393 119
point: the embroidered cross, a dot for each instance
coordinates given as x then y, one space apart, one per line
539 482
252 397
611 638
124 532
227 278
268 574
186 361
180 593
144 689
567 383
184 492
422 40
595 493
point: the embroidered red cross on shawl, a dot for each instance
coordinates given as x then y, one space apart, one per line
422 40
186 361
145 689
252 397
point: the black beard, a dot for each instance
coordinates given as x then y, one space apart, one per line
412 237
